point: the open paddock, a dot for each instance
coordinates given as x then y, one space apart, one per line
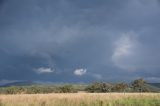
81 99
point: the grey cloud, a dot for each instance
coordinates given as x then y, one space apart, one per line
67 34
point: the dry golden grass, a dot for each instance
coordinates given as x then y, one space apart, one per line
81 99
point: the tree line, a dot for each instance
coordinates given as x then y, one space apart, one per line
96 87
138 85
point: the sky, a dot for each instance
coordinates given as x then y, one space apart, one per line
80 40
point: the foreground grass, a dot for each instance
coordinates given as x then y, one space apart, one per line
82 99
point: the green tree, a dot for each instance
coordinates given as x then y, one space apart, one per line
139 85
66 89
120 87
98 87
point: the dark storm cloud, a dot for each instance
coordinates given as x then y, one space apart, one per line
112 40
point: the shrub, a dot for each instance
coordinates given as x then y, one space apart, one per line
120 87
98 87
66 89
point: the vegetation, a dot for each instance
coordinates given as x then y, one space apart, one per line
95 94
99 87
67 89
120 87
37 89
81 99
138 85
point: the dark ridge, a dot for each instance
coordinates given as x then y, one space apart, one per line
18 83
155 84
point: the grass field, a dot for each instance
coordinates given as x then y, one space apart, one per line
81 99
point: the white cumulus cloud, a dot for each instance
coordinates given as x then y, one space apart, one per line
43 70
80 72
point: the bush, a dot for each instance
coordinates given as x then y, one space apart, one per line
66 89
120 87
98 87
139 86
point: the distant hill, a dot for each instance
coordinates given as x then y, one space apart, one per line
155 84
155 87
17 83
